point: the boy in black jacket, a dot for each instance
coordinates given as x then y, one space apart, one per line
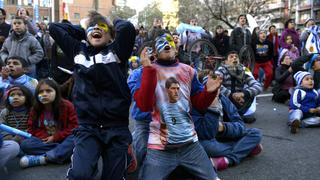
101 94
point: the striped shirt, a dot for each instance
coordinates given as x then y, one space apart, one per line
15 119
249 84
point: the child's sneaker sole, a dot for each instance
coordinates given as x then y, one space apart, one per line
295 126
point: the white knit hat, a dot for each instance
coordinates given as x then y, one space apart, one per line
299 76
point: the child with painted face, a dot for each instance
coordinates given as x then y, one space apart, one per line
18 103
175 144
51 122
100 94
14 73
304 103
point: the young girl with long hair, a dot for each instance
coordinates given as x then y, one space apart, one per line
51 122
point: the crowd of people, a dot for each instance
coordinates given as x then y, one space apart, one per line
74 87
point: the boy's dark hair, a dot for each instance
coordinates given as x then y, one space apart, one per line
95 18
3 12
38 107
65 21
170 81
19 18
26 92
282 57
231 52
287 23
272 27
20 59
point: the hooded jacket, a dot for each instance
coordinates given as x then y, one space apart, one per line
100 94
26 47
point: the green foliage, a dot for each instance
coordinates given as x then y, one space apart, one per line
147 15
124 12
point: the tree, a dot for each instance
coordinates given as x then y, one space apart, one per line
147 15
195 9
226 11
123 12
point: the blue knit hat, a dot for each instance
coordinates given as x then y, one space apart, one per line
299 76
312 60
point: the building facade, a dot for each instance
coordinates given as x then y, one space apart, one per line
55 10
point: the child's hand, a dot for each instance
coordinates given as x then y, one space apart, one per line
145 60
49 139
5 72
313 110
221 127
213 83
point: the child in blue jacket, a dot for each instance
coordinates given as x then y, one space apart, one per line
100 94
223 134
304 103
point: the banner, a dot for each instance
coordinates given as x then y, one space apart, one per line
36 10
313 41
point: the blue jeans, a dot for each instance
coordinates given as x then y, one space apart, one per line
159 164
140 137
297 114
92 142
8 150
55 152
235 150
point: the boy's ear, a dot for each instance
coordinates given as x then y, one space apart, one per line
26 70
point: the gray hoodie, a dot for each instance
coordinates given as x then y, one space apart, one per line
26 46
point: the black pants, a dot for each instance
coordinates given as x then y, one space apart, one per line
281 96
93 142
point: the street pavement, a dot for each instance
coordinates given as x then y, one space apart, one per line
285 156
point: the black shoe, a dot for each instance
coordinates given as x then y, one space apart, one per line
249 119
295 126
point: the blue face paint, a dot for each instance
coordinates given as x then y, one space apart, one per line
10 100
40 98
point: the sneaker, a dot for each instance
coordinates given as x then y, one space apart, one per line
220 163
295 126
256 150
249 119
30 161
132 167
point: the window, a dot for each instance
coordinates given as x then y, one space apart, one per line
12 2
76 15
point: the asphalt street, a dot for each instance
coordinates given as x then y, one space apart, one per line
285 155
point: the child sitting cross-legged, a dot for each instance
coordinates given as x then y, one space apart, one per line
18 103
304 103
51 122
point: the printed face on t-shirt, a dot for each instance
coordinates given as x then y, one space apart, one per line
173 92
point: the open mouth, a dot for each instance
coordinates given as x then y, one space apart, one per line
166 48
96 35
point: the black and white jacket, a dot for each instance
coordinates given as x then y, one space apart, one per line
100 94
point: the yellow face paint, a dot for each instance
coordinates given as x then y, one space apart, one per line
103 26
170 41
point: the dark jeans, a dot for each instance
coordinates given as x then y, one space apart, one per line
91 143
159 164
235 150
55 152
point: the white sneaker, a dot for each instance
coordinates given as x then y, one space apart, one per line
31 160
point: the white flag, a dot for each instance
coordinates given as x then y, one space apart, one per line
313 41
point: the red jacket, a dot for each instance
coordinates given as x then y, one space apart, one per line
68 117
275 44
